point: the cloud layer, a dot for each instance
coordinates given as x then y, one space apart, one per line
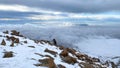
75 6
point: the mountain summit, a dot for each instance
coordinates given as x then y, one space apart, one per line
17 51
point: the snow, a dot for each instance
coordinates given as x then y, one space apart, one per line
25 57
81 38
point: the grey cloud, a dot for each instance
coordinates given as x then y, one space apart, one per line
75 6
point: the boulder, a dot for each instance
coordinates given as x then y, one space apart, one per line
64 53
8 54
48 62
72 51
14 32
51 52
69 60
17 40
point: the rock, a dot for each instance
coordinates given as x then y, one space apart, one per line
81 56
12 44
45 41
12 38
95 59
60 66
25 42
14 32
64 53
113 65
51 52
31 46
17 40
88 65
69 59
48 62
49 56
3 42
72 51
8 54
61 47
8 38
39 54
6 32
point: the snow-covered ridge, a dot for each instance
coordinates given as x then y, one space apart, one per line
17 51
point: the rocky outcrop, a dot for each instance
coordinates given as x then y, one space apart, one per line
3 42
6 32
8 54
48 62
14 32
51 52
64 53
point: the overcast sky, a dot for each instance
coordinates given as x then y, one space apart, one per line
92 6
98 9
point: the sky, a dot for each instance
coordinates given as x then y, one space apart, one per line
75 11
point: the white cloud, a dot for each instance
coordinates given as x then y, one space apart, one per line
45 17
6 19
14 8
22 8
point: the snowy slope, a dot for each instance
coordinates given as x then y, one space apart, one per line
27 53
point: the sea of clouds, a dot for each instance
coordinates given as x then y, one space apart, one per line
88 39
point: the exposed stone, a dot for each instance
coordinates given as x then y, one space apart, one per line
88 65
113 65
64 53
39 54
8 54
14 32
44 41
95 59
25 42
48 62
81 56
6 32
49 56
3 42
51 52
31 46
17 40
72 51
61 47
69 59
12 38
8 38
60 66
12 44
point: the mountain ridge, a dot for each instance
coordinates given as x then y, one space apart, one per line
17 51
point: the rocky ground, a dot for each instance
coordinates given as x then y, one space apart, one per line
17 51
